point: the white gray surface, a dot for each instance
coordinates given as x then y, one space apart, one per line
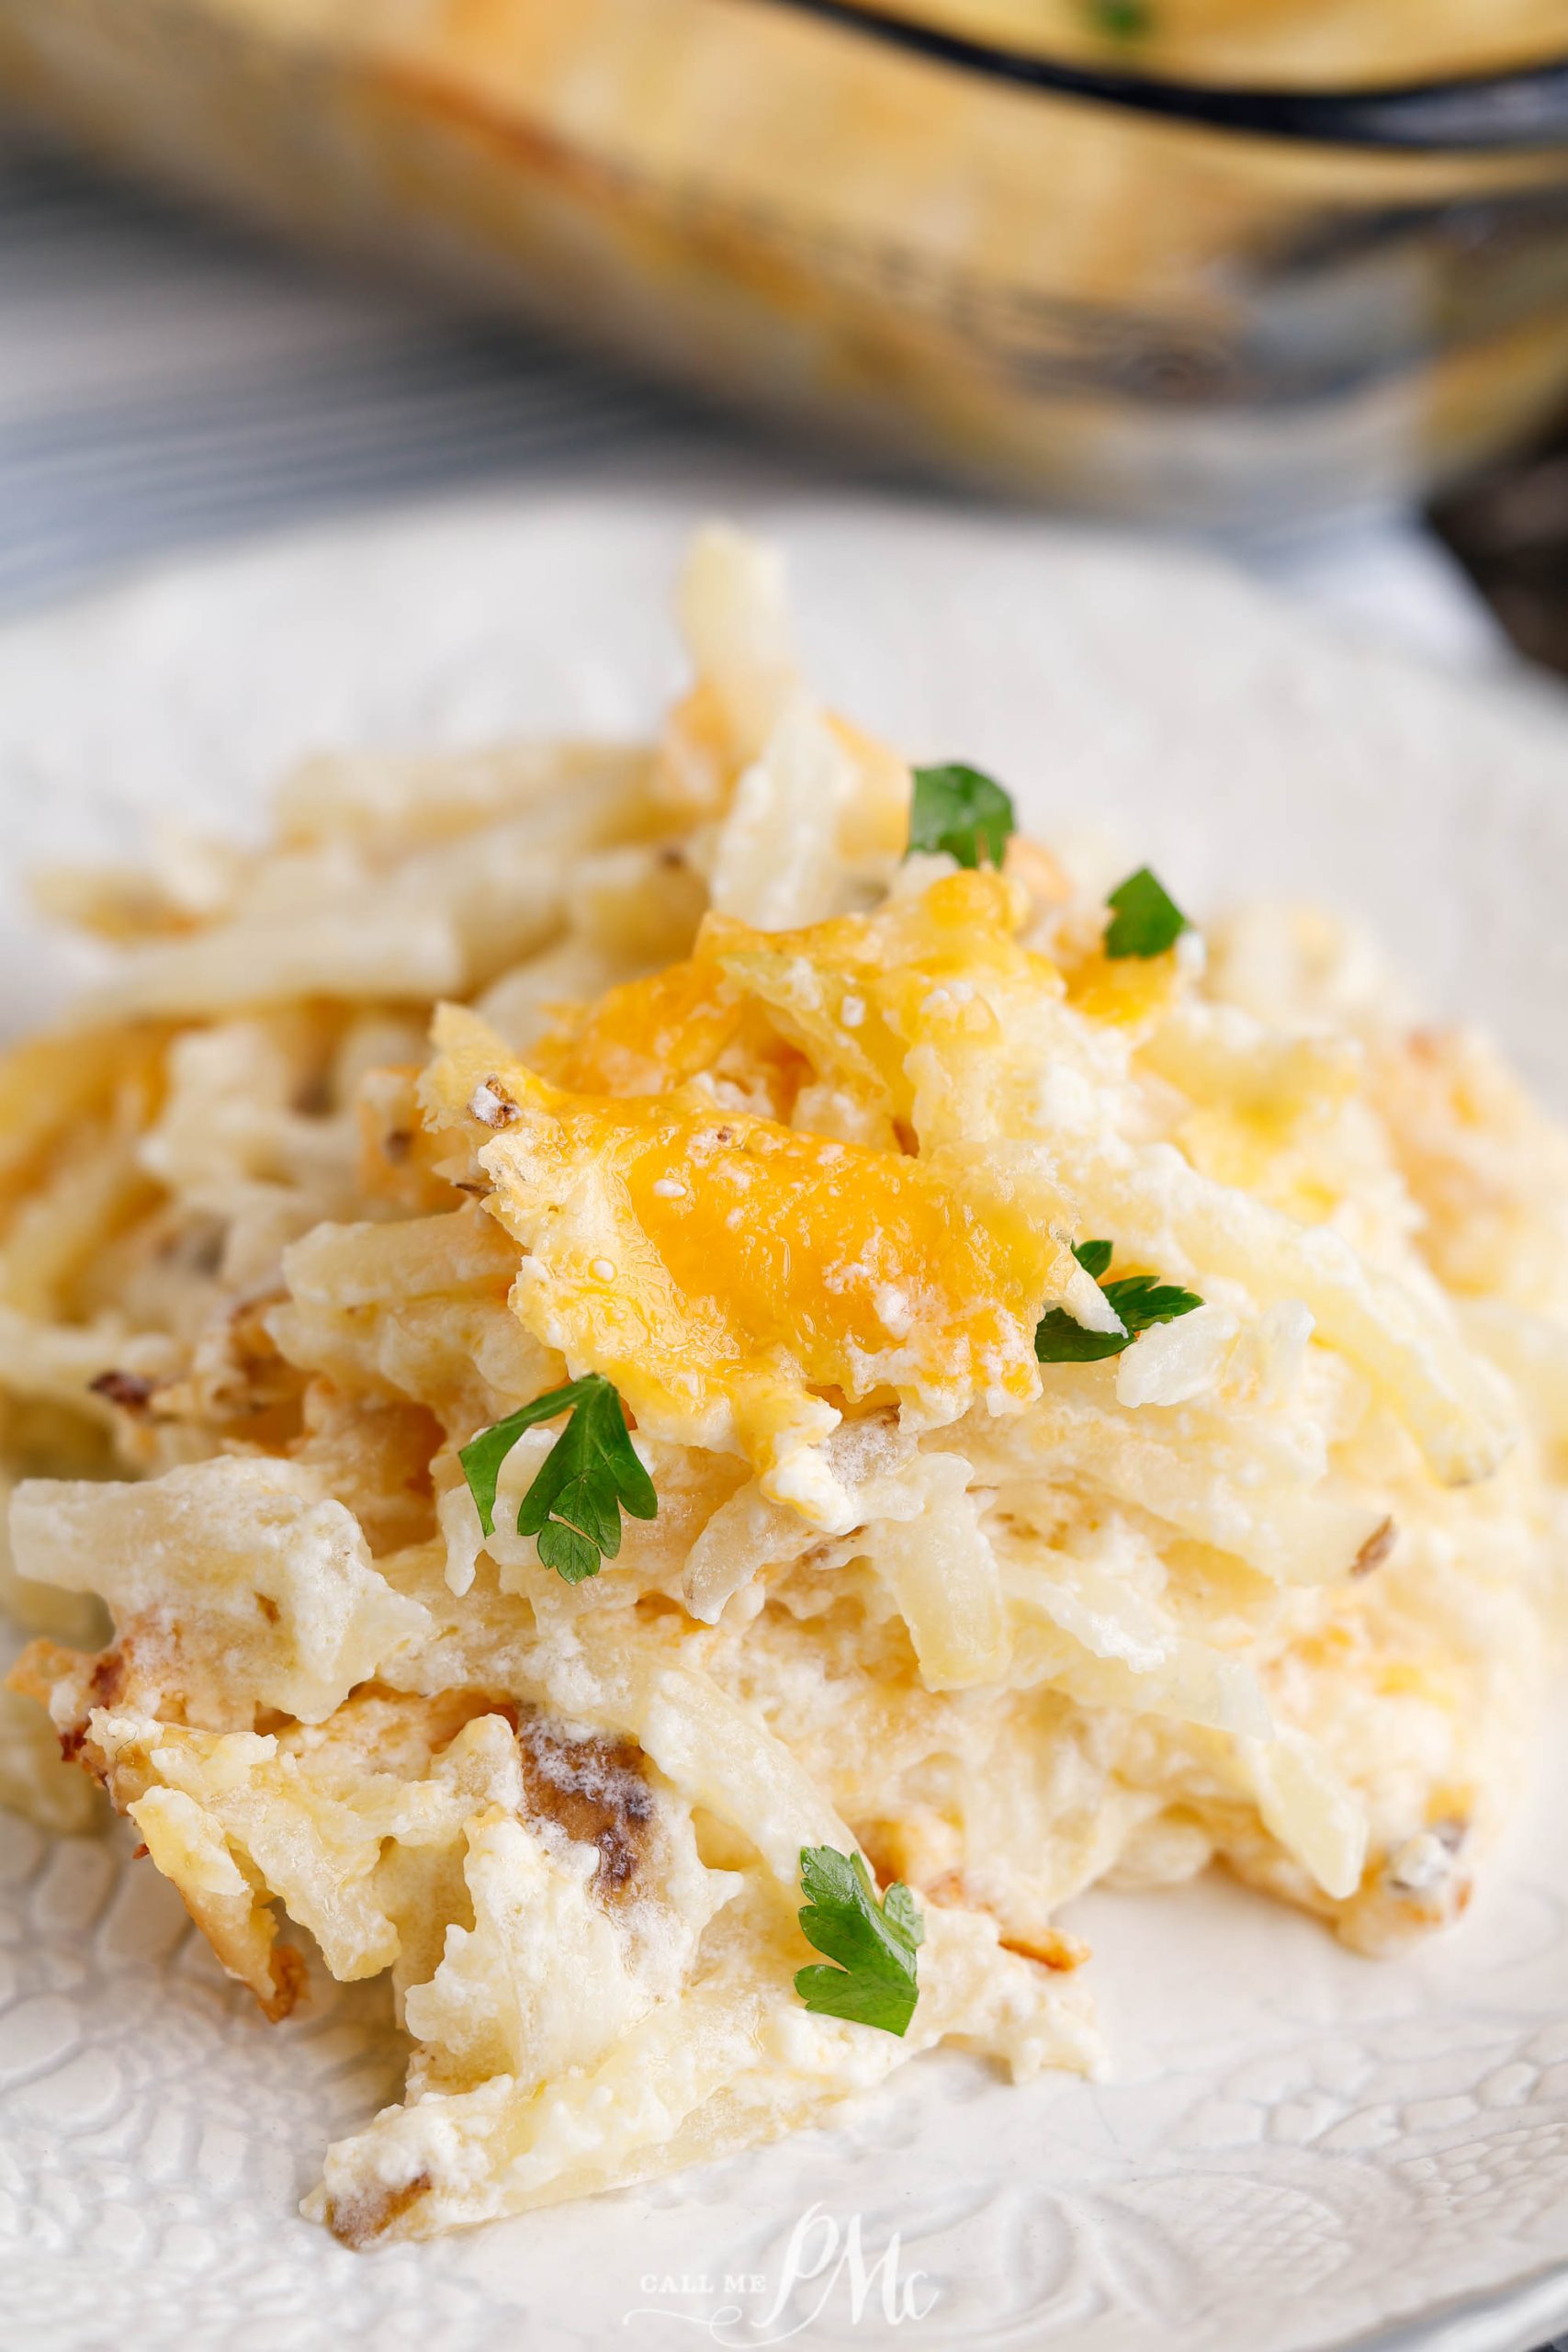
165 379
1301 2149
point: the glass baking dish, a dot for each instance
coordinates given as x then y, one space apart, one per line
1202 302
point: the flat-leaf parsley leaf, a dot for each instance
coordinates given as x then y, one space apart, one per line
1139 1299
591 1475
874 1943
959 809
1144 918
1122 20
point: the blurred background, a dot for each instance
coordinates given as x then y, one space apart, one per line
1293 273
1288 274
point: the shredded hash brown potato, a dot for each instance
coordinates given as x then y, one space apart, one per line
791 1135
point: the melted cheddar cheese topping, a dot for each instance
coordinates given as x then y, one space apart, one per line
871 1012
739 1279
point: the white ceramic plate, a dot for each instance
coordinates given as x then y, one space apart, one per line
1300 2149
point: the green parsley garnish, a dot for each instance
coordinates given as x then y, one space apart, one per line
1094 1257
875 1943
960 810
591 1475
1138 1299
1144 918
1122 20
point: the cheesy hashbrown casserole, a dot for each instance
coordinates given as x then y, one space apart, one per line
627 1371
